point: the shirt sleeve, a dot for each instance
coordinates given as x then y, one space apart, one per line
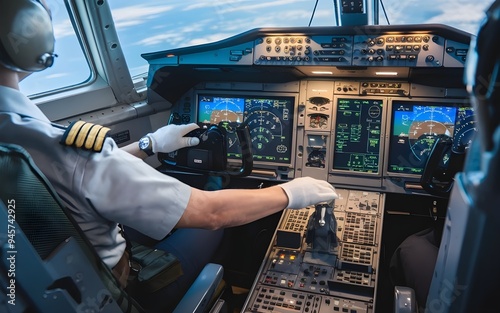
126 190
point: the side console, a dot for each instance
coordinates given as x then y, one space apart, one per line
323 258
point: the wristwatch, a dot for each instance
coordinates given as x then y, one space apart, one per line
146 145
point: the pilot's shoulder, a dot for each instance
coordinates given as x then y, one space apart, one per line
85 135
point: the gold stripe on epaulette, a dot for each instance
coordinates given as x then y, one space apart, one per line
85 135
99 141
89 143
72 132
82 135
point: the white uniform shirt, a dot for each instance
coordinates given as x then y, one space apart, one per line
100 189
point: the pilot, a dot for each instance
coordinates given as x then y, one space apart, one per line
103 185
414 260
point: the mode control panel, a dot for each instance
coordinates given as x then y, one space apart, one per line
385 88
303 50
415 50
393 50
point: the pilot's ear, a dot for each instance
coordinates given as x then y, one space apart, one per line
26 35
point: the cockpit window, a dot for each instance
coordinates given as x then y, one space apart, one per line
153 25
70 68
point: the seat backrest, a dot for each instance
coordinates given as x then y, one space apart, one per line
55 266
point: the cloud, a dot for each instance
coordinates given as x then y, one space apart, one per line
207 39
211 4
461 14
138 14
63 28
174 36
57 75
259 6
229 6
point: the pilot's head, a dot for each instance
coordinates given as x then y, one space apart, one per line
26 35
483 77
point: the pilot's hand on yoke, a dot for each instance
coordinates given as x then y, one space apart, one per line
171 138
305 191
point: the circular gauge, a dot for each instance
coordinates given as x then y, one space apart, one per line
264 126
260 137
374 111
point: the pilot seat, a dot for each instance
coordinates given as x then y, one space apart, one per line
48 265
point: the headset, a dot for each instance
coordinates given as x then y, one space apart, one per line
26 36
482 76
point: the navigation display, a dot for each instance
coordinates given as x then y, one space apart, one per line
357 135
415 126
270 120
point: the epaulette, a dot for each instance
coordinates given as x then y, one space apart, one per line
85 135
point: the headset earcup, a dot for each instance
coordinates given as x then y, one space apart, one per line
26 35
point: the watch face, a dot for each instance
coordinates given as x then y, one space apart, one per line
144 143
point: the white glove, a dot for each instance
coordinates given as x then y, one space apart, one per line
305 191
170 138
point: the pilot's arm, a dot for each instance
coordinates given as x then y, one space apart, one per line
219 209
166 139
234 207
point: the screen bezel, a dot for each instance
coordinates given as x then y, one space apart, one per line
457 103
242 94
382 137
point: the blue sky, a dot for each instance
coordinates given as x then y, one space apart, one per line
154 25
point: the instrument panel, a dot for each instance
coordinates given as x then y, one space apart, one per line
359 107
356 106
307 129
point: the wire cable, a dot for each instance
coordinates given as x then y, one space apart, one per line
314 11
385 13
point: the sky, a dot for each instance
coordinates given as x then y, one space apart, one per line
155 25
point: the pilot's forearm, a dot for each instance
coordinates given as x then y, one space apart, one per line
231 207
133 149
